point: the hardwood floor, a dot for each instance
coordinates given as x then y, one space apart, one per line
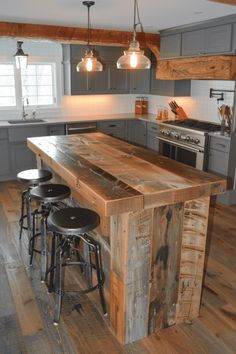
26 307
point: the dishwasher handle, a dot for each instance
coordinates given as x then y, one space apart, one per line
72 129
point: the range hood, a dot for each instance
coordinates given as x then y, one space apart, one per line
207 67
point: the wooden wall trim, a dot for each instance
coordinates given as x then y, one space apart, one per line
78 35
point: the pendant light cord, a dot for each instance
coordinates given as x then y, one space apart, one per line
89 26
136 12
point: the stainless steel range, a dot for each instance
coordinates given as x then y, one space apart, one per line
186 141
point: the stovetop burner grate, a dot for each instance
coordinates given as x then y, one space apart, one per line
195 124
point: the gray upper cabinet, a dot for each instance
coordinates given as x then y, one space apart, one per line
234 38
193 43
218 39
171 46
206 41
177 88
139 81
110 80
207 37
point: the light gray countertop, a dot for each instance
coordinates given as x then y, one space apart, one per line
80 118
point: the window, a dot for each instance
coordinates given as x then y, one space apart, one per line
7 85
37 84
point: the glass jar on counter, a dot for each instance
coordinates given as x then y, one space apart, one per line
144 105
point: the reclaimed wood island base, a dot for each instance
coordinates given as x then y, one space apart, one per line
154 216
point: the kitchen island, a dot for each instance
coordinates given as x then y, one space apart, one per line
154 217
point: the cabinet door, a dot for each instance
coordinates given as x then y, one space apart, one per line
81 82
193 43
21 157
139 81
218 162
136 132
117 79
4 159
113 128
170 46
218 39
152 141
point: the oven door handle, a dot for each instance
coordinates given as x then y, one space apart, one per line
190 148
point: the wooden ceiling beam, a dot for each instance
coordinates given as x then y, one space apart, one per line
78 35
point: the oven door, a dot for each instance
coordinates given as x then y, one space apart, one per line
189 155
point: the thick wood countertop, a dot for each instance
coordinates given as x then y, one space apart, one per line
120 177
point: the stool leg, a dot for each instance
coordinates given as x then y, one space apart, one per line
58 286
87 269
32 240
21 221
100 277
52 264
29 219
43 248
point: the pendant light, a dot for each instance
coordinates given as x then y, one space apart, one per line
20 57
89 62
134 57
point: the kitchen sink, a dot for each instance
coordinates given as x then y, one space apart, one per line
27 121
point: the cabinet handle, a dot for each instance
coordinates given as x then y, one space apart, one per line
222 145
112 125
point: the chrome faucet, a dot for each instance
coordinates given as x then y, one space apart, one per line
24 114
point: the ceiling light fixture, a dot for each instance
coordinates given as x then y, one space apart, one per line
134 57
20 57
89 62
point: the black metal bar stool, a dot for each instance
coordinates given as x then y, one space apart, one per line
32 178
69 226
49 197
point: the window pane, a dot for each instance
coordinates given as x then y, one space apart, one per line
6 69
44 70
29 80
6 80
7 101
37 84
45 100
7 85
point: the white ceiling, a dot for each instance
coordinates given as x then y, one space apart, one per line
114 14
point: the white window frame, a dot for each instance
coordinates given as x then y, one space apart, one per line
18 86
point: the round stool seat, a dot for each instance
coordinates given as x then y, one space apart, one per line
72 221
50 192
34 176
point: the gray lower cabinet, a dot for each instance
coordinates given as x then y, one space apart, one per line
113 128
20 155
218 155
57 129
170 46
5 161
152 136
136 132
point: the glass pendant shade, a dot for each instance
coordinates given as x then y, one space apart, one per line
133 58
20 57
89 63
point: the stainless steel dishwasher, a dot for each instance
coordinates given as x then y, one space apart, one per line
81 128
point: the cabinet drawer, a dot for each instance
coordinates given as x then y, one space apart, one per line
22 133
110 125
3 134
219 144
153 127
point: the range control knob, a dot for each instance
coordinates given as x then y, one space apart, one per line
162 131
168 132
196 141
177 136
187 138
